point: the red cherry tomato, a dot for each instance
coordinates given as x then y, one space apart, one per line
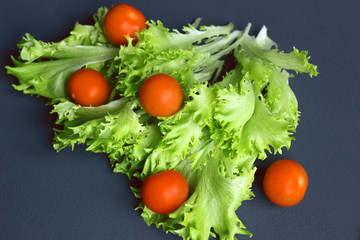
285 182
161 95
88 87
164 192
122 20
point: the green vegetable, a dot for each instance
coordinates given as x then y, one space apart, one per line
190 57
223 127
86 46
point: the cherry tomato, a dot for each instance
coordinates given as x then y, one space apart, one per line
161 95
285 182
88 87
122 20
164 192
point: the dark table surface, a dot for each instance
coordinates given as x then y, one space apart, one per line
75 194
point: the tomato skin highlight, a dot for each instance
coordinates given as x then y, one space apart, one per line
285 182
164 192
88 87
161 95
121 20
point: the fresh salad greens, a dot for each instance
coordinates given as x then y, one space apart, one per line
225 124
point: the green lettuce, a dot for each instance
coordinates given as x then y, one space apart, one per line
43 68
193 55
250 113
225 123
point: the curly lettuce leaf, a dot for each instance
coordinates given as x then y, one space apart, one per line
261 47
100 130
118 129
42 69
191 56
133 161
160 38
215 195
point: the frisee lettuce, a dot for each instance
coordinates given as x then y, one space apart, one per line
225 124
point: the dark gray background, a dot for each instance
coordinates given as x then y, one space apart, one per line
75 195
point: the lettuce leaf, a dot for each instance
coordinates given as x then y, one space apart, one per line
43 68
215 196
190 57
